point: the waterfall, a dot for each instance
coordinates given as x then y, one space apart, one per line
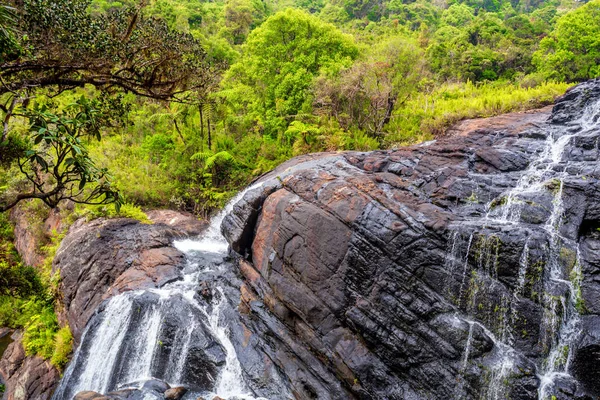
125 345
561 286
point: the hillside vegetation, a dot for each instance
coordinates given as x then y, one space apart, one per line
239 86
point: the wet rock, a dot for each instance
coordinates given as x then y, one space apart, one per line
205 290
571 105
124 394
102 258
182 221
205 355
247 210
89 395
175 393
395 274
26 377
157 385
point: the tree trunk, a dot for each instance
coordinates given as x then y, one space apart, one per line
208 126
201 124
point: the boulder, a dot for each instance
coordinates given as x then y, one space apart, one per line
156 385
89 395
175 393
182 221
106 257
410 273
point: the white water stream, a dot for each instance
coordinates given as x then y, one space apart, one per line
560 327
121 348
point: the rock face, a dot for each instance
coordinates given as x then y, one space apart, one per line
96 260
26 377
463 268
32 231
182 221
103 258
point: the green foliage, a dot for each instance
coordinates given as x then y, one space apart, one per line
127 210
63 346
18 280
572 51
274 80
122 48
428 115
270 85
364 96
27 298
59 167
9 48
40 329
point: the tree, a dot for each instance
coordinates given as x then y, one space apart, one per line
572 51
8 44
365 95
122 49
60 45
270 85
59 166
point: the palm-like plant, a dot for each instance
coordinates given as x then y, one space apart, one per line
7 22
9 47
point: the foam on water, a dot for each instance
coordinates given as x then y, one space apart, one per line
100 363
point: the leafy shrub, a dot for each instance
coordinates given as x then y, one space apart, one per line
10 308
63 346
40 328
27 301
429 115
127 210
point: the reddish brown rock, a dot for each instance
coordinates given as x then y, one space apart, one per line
34 228
175 393
179 220
26 377
350 267
89 395
28 241
517 122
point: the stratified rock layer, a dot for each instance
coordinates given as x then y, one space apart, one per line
393 274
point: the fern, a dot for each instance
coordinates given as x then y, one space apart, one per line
218 159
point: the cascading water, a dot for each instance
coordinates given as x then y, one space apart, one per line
469 250
155 333
162 332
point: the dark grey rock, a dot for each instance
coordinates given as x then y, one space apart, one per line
157 385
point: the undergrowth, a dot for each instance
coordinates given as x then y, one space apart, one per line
27 298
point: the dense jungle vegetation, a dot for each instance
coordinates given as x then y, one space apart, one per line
179 103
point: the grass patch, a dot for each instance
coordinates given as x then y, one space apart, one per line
90 212
429 114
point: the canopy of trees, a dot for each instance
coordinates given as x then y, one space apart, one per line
572 50
270 83
53 46
192 99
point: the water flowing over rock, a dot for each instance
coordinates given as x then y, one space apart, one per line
176 330
465 268
103 258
